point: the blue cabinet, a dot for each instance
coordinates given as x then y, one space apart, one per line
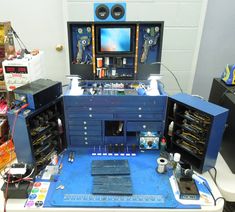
197 132
39 134
103 119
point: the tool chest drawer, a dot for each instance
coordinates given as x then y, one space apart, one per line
85 133
84 122
87 128
85 140
140 116
99 116
144 126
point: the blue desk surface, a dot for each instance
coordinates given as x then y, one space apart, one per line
150 189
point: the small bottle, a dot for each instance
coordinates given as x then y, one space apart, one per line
177 166
163 145
170 128
170 161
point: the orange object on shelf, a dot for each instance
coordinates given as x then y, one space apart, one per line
7 153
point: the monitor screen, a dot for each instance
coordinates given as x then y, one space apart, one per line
115 39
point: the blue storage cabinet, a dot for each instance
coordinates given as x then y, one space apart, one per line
90 119
38 134
197 131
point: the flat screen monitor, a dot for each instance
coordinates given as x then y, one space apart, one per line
115 40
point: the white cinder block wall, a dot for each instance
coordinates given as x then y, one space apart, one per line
42 24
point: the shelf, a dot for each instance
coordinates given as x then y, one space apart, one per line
193 121
196 134
188 151
114 55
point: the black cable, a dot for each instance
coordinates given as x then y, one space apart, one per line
181 90
18 39
215 175
220 198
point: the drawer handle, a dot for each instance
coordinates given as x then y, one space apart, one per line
140 108
90 115
84 122
140 116
86 143
85 128
85 138
85 133
144 126
90 108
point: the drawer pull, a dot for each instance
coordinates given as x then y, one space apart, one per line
85 128
90 115
84 122
90 108
139 108
86 143
144 126
85 133
139 115
85 138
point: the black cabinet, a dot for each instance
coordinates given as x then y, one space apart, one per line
224 95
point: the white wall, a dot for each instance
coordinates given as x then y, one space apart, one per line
217 46
41 24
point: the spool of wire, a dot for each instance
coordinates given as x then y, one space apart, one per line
162 162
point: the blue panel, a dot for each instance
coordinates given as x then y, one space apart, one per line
109 18
216 126
140 116
90 115
150 189
88 141
144 126
92 133
198 104
21 138
85 128
78 121
145 184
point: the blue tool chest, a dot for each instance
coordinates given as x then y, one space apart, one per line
88 116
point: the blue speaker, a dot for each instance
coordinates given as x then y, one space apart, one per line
109 12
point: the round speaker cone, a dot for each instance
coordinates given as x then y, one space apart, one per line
117 11
102 11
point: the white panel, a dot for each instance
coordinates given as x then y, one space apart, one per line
170 83
173 14
178 60
82 11
134 1
179 38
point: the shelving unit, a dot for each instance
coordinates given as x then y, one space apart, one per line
197 130
39 134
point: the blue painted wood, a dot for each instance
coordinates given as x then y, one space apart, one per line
218 116
95 110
